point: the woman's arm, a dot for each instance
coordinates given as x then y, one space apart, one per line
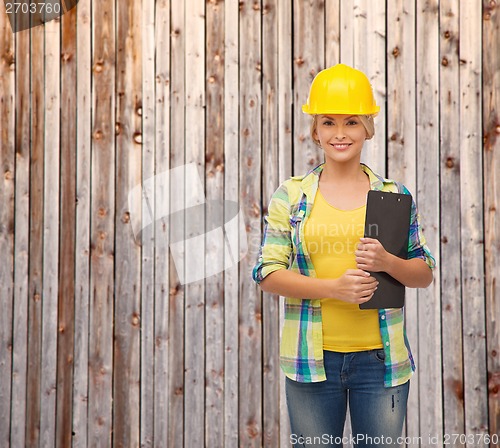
355 286
413 273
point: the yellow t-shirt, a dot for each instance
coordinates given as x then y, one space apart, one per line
331 237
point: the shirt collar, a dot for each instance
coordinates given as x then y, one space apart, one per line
376 181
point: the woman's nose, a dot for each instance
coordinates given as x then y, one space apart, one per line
339 133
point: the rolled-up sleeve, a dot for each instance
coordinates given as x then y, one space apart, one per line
417 244
276 247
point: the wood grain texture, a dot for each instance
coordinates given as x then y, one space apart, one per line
402 147
127 307
162 345
472 236
231 193
7 214
450 163
250 309
176 390
50 235
195 224
491 170
308 58
19 428
147 261
214 249
102 231
35 280
427 165
270 176
82 231
66 280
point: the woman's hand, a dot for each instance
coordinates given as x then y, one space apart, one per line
354 286
371 255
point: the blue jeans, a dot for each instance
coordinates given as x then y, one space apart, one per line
318 410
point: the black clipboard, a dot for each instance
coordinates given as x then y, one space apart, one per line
388 220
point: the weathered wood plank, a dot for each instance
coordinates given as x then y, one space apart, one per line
250 312
309 59
214 250
66 286
491 170
429 307
50 234
472 237
161 228
102 247
22 60
7 198
332 32
270 176
82 232
194 332
401 147
36 235
450 162
231 193
147 292
176 391
127 315
347 32
285 150
370 57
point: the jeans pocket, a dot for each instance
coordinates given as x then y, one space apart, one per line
379 355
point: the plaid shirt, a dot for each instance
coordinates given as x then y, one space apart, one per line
301 351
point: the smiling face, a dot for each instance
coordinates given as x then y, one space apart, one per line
340 136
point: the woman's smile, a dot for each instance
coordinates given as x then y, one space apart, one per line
341 146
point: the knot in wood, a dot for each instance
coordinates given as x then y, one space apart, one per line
101 212
98 135
211 79
118 128
497 129
138 137
256 6
138 110
447 34
66 57
396 52
126 218
99 66
299 61
444 61
8 175
135 319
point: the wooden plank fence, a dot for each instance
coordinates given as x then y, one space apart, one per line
114 337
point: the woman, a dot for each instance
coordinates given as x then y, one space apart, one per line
313 253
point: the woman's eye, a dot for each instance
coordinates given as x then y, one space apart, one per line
352 123
328 123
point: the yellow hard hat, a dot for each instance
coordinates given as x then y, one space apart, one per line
340 90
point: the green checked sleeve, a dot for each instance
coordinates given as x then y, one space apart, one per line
276 244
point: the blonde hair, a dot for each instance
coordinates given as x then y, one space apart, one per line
366 121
